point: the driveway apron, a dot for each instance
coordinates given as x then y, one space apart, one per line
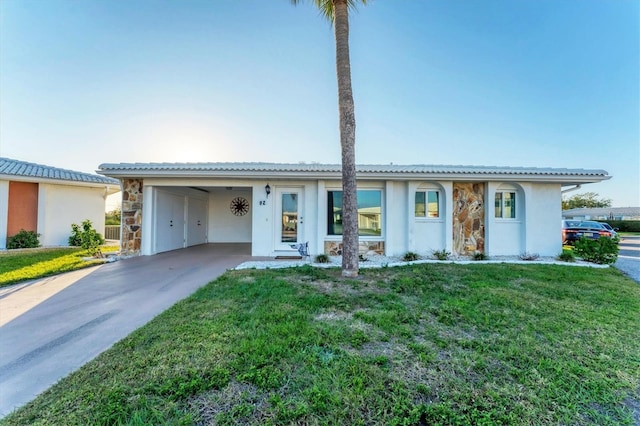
60 334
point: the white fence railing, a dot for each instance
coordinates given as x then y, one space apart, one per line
112 232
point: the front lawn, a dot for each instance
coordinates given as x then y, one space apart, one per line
22 265
425 344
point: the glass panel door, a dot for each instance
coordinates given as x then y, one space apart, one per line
288 218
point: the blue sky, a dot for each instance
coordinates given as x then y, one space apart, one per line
543 83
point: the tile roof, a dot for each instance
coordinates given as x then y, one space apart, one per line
362 168
24 169
300 169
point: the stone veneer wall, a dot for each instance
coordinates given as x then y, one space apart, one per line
131 237
334 248
468 218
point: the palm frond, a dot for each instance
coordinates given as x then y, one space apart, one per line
326 6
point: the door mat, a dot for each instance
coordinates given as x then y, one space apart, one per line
288 257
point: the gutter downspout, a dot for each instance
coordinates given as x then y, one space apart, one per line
575 188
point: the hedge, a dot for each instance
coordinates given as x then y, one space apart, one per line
624 225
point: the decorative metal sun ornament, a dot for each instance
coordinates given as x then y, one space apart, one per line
239 206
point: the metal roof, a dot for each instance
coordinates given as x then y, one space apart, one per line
316 170
31 171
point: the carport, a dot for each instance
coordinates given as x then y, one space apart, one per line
184 216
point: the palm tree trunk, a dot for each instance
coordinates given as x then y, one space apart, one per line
347 142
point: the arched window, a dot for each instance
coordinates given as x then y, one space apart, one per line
507 201
427 203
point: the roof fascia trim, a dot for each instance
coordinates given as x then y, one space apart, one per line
33 179
396 176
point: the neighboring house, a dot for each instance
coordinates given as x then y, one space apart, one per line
603 213
48 200
421 208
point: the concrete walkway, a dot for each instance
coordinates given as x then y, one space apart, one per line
52 327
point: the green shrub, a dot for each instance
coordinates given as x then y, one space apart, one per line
86 237
76 236
441 254
24 239
479 256
567 256
410 256
322 258
603 250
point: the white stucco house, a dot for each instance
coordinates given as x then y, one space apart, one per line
419 208
603 213
48 200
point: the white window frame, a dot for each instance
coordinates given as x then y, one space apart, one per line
426 192
514 204
338 237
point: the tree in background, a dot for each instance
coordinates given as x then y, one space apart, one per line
337 11
586 200
113 217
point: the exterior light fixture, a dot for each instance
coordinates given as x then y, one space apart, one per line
267 189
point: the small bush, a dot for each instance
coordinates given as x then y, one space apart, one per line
479 256
24 239
322 258
529 256
86 237
410 256
567 256
602 251
362 258
441 254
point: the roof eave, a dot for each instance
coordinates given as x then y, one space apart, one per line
112 188
564 179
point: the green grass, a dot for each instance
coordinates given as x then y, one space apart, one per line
629 234
423 344
22 265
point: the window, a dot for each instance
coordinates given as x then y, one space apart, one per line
369 213
505 205
427 204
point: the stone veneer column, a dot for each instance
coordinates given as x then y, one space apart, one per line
131 238
468 218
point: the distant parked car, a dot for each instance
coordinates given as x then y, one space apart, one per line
614 231
573 230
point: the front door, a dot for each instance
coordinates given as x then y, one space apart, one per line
289 218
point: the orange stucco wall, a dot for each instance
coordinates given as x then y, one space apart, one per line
23 207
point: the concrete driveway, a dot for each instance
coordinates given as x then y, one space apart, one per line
46 340
629 257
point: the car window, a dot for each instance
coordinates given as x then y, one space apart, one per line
588 224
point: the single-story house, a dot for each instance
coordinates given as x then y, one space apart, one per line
603 213
419 208
48 200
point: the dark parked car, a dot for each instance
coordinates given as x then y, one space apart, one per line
573 230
